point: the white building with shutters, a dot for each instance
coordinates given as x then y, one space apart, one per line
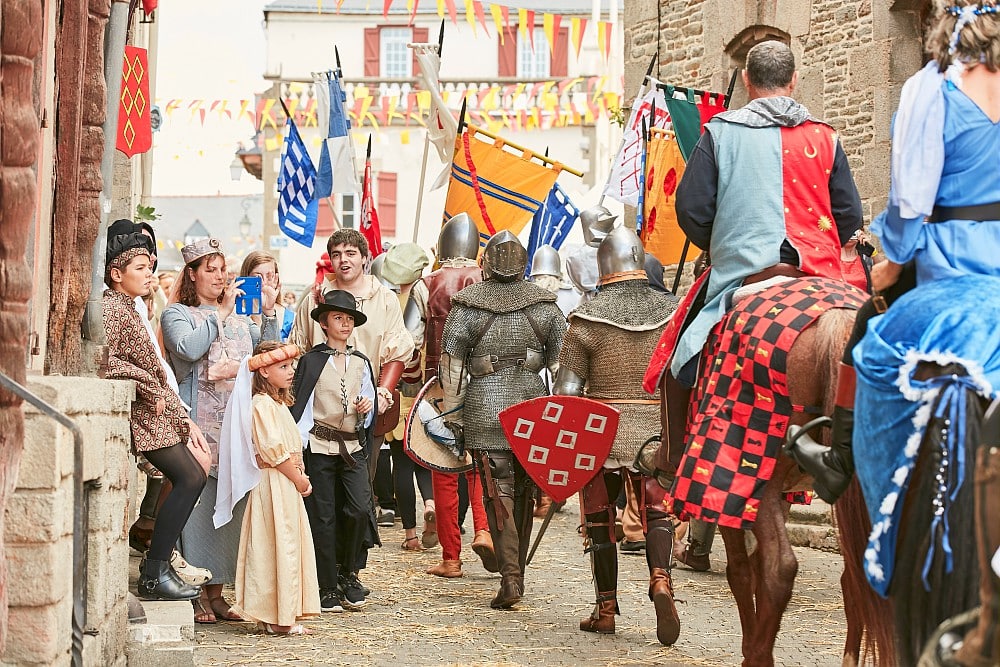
377 66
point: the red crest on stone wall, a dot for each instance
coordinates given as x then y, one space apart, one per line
562 441
135 132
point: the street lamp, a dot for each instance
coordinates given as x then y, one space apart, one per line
245 223
236 168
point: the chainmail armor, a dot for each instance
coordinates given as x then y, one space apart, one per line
630 304
498 297
468 332
612 358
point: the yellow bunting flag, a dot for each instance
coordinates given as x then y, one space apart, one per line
440 9
602 28
497 21
549 26
661 234
470 16
522 22
577 26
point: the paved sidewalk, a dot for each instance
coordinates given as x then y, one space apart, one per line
416 619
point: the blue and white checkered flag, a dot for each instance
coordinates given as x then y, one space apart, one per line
297 205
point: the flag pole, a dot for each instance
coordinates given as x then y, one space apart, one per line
423 161
544 159
649 73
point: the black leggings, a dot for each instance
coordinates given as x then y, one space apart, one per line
906 282
179 465
403 471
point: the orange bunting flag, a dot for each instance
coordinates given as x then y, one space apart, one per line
577 26
385 8
608 32
505 13
497 188
477 7
530 18
452 12
497 21
661 234
470 16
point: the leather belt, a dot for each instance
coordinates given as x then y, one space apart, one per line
626 401
501 362
789 270
340 437
981 213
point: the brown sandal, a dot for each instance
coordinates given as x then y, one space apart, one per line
201 614
417 547
226 615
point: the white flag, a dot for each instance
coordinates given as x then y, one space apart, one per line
442 128
623 182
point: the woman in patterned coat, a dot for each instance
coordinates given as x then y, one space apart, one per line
159 422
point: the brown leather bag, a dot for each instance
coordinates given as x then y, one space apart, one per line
388 420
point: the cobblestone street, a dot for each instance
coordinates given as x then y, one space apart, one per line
416 619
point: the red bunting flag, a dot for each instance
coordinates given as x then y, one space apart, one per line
385 8
477 7
577 26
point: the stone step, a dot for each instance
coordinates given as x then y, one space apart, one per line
817 513
166 639
815 536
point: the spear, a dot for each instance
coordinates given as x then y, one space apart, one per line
642 176
638 95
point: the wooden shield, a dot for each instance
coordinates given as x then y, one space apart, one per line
419 444
562 441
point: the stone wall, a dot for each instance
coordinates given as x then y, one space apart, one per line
39 525
853 57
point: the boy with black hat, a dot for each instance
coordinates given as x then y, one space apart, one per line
335 404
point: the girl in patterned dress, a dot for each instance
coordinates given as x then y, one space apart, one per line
159 423
276 582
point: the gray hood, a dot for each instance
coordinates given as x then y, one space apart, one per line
768 112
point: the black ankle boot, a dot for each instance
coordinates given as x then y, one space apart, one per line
158 581
831 467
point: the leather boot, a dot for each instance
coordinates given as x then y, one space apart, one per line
158 581
449 569
511 589
482 545
831 467
981 645
677 397
505 545
661 592
602 619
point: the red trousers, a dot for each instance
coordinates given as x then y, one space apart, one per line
446 508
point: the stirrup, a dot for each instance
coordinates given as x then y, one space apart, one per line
796 432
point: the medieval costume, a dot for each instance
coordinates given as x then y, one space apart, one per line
603 358
337 442
425 315
500 332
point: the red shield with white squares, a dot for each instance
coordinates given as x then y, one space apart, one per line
562 441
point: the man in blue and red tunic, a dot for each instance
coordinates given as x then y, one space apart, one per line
769 193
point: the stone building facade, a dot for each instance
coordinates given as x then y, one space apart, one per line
853 57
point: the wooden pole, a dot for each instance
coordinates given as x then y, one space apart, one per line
420 190
542 158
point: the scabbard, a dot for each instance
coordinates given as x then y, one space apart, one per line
499 511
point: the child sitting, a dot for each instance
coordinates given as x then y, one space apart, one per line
334 407
275 569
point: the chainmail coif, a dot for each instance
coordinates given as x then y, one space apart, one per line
498 297
629 304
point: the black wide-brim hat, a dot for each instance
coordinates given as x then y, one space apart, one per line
342 302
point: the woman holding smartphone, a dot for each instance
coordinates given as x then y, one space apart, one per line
206 340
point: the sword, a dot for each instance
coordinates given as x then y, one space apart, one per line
541 531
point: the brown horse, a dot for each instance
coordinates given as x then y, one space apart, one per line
761 577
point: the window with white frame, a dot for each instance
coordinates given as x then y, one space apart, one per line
533 63
395 61
348 211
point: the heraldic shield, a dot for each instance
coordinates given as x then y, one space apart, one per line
562 441
426 439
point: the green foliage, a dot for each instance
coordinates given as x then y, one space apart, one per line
146 213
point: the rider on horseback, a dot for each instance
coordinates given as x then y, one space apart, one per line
768 191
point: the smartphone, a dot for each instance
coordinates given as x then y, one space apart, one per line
250 302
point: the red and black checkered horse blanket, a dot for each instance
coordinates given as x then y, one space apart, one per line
740 407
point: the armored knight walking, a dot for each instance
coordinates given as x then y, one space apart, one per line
603 358
501 333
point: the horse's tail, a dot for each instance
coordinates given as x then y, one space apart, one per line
869 616
867 610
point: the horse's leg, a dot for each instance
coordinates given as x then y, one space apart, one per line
740 578
778 567
852 644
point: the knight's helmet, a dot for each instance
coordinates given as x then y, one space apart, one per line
597 222
620 251
504 258
459 237
376 270
546 262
